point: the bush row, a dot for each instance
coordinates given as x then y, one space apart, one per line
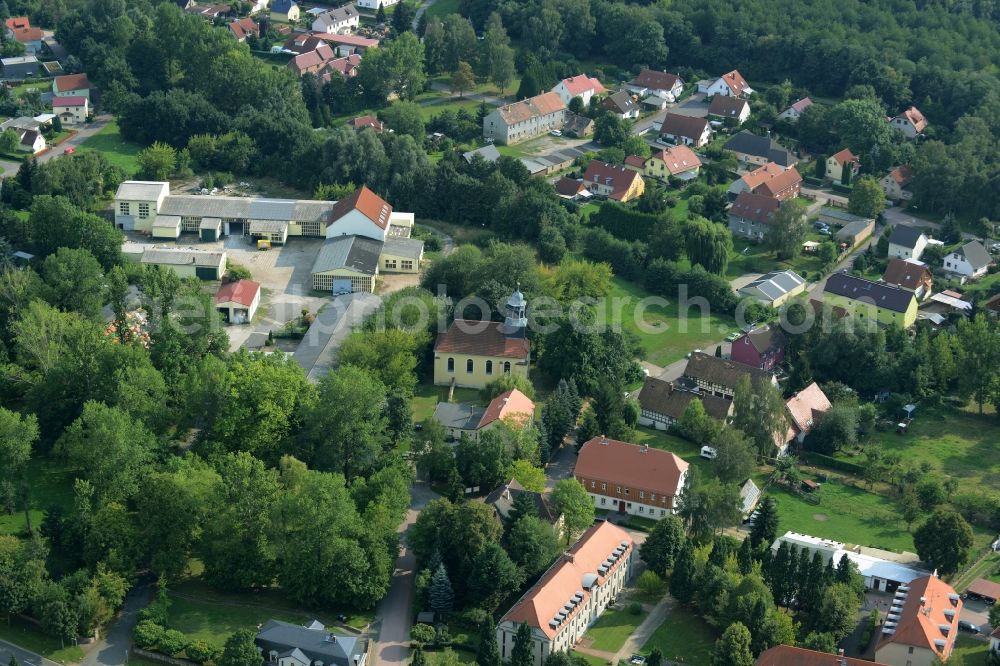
149 635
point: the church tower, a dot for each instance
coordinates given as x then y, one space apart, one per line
515 321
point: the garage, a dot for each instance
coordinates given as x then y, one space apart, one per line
167 226
210 229
238 301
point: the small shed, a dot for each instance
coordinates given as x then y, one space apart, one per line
167 226
983 589
210 228
238 301
809 485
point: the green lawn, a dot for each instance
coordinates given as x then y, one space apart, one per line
664 337
427 396
442 8
116 150
658 439
41 86
428 111
970 651
846 514
435 657
613 628
51 484
214 623
590 659
31 638
683 637
748 257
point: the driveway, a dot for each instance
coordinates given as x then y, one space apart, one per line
23 656
560 465
317 353
113 649
396 609
447 242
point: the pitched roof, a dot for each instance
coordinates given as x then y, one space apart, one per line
619 102
631 465
925 611
801 105
175 256
71 100
882 295
362 122
785 655
357 253
662 397
775 284
313 642
844 156
754 178
619 178
512 404
142 190
805 406
765 338
756 207
975 254
15 22
726 106
481 339
337 15
736 82
581 83
502 499
539 105
311 60
905 274
685 126
347 40
905 236
655 80
70 82
985 588
242 291
282 5
346 66
458 415
27 34
678 159
571 577
635 161
902 174
243 27
760 146
488 153
568 187
722 372
913 116
29 137
776 185
371 205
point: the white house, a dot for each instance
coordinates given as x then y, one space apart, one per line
340 20
906 242
71 110
374 4
792 113
910 122
685 130
525 120
971 260
651 82
571 594
731 84
581 85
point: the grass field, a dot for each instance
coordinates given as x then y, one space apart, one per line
970 651
51 484
427 396
116 150
663 336
428 111
683 637
442 8
590 659
214 623
748 257
658 439
435 657
31 638
613 628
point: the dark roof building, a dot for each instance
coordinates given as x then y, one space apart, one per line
287 644
858 289
762 148
724 106
662 401
357 253
719 376
620 103
905 236
688 127
502 501
757 207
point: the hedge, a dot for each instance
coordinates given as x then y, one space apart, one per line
829 462
843 189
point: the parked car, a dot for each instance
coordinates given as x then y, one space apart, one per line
69 150
709 453
821 225
637 659
965 625
555 132
825 232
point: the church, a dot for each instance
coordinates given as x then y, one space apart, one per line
471 354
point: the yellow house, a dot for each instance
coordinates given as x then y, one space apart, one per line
401 255
864 299
836 163
617 183
677 162
474 353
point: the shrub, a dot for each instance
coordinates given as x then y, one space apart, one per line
147 634
172 642
238 272
201 651
634 608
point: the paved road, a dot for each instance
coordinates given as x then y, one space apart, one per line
84 133
395 610
112 649
317 353
447 242
420 12
642 633
25 657
560 465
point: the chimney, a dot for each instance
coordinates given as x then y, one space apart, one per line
604 440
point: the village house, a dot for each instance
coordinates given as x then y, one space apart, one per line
30 141
731 84
71 85
21 31
474 353
922 625
896 184
675 162
502 500
651 82
339 20
342 45
285 10
285 644
838 162
571 594
524 120
470 420
323 61
614 182
887 304
792 113
662 404
629 478
970 261
803 409
749 181
911 275
753 149
578 126
906 242
582 86
762 347
19 68
238 301
571 189
910 122
775 288
685 130
786 655
243 28
719 377
734 109
782 186
750 215
373 5
366 122
71 110
621 104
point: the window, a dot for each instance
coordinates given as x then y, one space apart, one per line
642 494
489 367
143 211
311 229
652 496
123 208
604 486
593 484
618 489
390 263
603 500
469 365
663 512
626 492
910 651
640 508
506 367
407 265
451 365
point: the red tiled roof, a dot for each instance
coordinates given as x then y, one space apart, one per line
736 82
72 82
346 67
15 22
347 40
569 187
905 274
655 80
371 205
72 100
512 404
804 407
243 27
802 104
635 161
785 655
539 105
27 34
915 118
780 183
985 588
844 156
362 122
923 615
631 465
756 207
242 291
481 339
902 175
678 159
602 173
757 176
578 85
